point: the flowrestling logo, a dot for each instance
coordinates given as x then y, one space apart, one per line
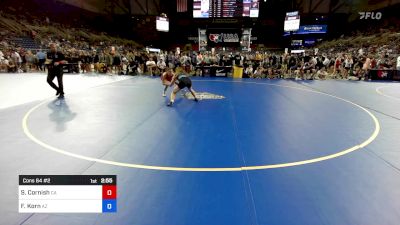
224 37
370 15
203 95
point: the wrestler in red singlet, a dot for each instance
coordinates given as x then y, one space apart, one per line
166 79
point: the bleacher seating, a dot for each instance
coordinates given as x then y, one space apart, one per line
26 43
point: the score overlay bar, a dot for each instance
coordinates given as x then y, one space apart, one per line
67 194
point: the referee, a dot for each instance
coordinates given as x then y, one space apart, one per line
54 63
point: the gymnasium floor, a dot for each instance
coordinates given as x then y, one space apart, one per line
269 152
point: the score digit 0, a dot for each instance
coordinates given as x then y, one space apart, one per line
109 191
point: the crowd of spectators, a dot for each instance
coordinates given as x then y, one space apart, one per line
337 59
353 63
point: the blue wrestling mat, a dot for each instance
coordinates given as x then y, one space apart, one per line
260 152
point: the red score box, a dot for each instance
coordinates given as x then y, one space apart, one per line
109 191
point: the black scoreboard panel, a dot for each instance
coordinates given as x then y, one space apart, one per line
225 8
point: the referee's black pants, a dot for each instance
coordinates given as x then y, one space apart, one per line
50 77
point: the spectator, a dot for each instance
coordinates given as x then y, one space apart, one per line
151 65
366 67
321 74
116 62
41 56
348 63
249 71
30 61
16 61
161 65
398 63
